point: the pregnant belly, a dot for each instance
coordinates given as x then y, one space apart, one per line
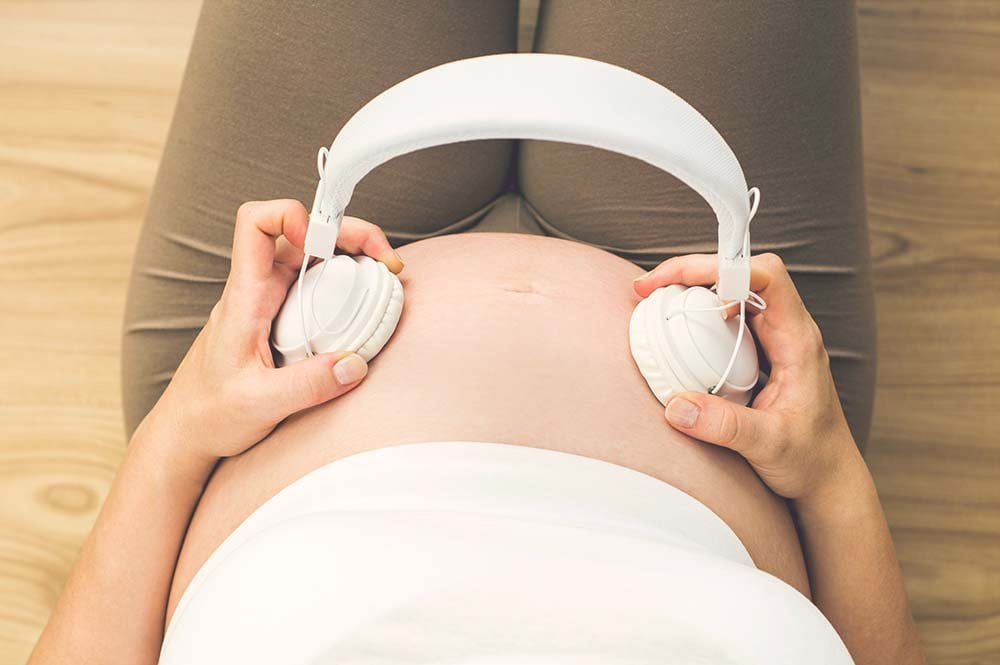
513 339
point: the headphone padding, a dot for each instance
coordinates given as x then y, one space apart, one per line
647 353
387 326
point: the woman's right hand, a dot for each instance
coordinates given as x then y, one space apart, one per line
226 395
794 434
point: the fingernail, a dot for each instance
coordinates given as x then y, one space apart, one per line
392 262
639 277
682 412
350 369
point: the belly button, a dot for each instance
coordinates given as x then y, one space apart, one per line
521 287
517 288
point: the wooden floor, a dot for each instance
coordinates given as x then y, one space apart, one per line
86 93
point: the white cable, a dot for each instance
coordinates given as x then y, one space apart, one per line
755 193
321 157
302 306
312 296
753 299
736 349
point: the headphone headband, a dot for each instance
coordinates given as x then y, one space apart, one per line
545 97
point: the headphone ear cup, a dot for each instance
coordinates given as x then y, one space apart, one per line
359 304
689 350
648 331
387 326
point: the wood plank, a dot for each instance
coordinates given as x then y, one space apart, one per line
931 110
87 90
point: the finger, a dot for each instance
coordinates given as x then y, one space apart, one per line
312 381
360 237
287 260
768 274
288 254
695 270
714 420
259 224
689 270
785 328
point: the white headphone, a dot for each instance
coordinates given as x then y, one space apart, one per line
354 303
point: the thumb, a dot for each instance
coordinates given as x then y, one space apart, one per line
314 380
718 421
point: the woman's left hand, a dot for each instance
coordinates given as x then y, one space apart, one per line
226 395
795 434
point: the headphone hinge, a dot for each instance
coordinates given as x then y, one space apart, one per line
734 277
321 236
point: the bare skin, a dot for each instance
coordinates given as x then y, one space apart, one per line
509 338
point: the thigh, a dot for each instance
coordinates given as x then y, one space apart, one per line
265 87
781 85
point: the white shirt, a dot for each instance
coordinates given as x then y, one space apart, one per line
476 553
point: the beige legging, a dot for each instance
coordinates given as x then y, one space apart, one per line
267 84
